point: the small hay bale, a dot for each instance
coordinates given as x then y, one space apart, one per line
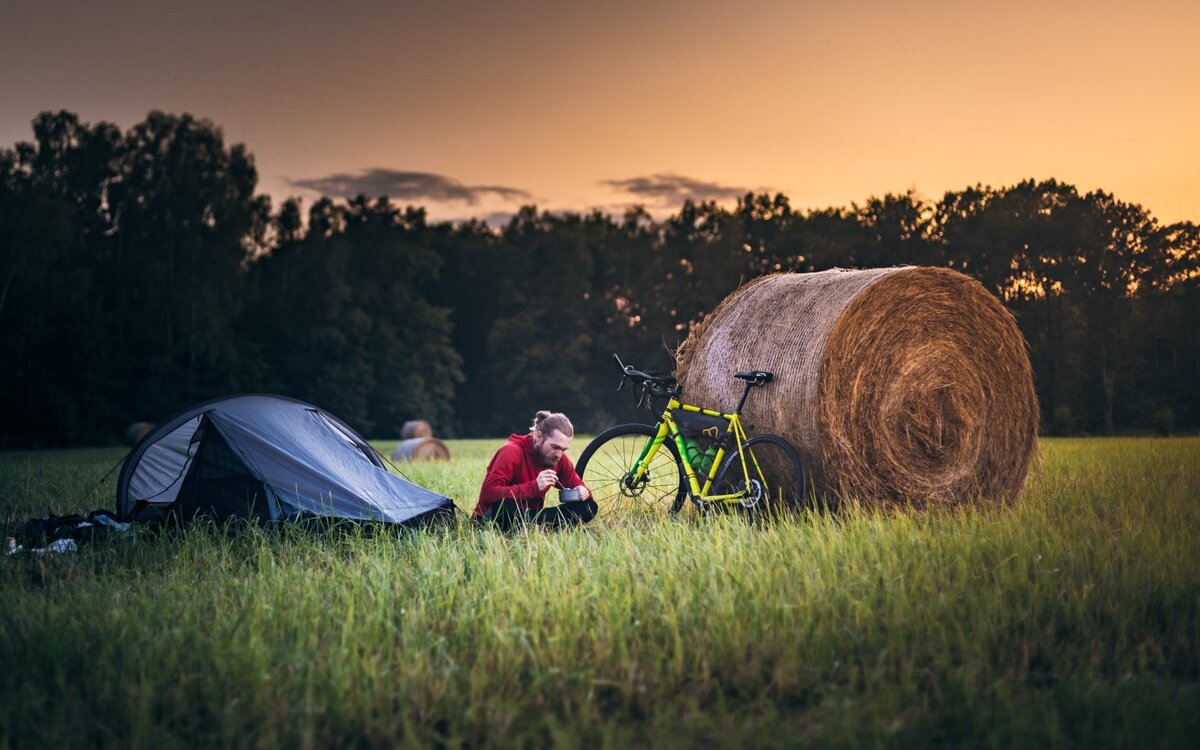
896 385
421 449
415 428
137 431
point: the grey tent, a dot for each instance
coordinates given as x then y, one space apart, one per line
267 458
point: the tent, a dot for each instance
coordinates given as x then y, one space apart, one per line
265 458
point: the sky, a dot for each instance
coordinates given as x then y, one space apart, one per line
477 108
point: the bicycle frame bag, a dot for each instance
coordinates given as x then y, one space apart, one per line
700 426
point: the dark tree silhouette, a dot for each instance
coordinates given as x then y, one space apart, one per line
140 272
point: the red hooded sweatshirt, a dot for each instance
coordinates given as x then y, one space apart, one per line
512 474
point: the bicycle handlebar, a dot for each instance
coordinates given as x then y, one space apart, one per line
663 386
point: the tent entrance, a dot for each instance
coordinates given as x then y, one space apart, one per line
218 485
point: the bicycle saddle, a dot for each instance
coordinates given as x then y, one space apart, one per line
758 377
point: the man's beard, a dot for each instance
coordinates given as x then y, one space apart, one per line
542 458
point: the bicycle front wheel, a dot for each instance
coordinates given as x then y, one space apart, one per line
776 477
606 466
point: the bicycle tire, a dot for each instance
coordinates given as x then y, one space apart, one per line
606 461
782 478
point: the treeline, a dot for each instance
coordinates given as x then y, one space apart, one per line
142 273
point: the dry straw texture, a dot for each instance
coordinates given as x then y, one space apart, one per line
415 428
421 449
137 431
897 386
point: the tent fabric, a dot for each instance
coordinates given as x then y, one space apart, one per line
217 457
160 472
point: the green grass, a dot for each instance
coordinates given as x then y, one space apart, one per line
1072 619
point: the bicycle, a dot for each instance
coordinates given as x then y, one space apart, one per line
627 462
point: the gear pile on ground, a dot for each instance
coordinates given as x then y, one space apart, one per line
898 386
65 533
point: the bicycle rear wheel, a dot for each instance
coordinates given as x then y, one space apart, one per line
777 478
607 462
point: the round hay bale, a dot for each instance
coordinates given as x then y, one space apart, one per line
421 449
415 428
897 385
137 431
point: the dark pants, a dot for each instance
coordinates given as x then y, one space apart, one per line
506 515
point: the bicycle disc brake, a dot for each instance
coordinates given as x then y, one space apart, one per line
752 495
630 488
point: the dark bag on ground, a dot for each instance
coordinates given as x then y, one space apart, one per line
95 526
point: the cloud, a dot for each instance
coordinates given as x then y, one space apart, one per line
407 186
672 189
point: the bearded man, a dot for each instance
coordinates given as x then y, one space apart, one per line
523 471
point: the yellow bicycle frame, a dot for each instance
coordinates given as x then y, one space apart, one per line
668 427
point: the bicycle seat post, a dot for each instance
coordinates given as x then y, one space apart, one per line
745 395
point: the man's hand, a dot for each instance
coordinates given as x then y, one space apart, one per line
584 492
547 479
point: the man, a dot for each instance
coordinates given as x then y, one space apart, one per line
523 471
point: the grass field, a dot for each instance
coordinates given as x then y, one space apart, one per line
1072 619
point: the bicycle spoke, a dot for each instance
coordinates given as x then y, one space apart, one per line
607 472
775 478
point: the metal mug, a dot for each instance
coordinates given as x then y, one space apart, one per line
570 494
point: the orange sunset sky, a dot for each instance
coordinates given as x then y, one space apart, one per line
476 108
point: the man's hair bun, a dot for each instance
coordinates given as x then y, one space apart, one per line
546 422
